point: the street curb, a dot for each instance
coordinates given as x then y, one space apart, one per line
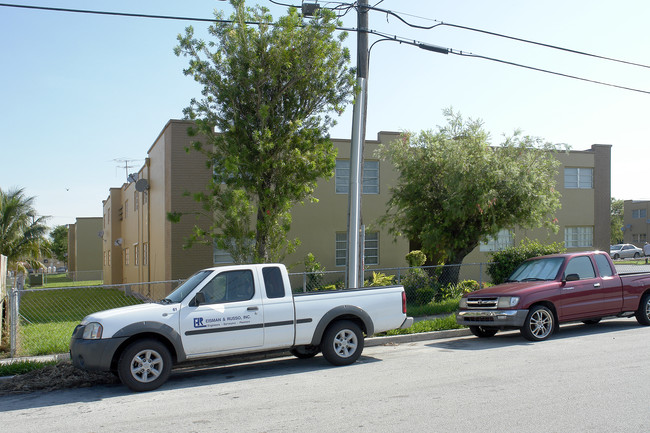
369 342
412 338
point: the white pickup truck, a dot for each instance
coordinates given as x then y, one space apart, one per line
233 310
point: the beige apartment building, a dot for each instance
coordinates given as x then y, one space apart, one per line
636 222
85 239
140 244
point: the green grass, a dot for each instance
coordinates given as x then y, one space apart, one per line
22 367
441 324
48 317
62 280
432 308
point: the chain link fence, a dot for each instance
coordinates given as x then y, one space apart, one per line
40 319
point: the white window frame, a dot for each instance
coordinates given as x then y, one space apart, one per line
370 249
220 257
579 237
578 177
504 239
370 176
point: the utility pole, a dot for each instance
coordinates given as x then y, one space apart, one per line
354 250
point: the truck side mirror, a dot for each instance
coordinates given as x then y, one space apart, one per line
572 277
199 299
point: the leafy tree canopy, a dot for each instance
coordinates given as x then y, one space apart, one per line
616 221
455 190
59 242
263 122
22 231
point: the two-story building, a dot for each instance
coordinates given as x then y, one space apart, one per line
141 244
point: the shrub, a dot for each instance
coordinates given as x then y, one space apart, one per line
314 272
379 279
416 259
503 263
417 285
454 291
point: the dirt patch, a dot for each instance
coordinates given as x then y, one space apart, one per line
52 377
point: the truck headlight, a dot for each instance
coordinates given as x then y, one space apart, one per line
507 301
93 331
462 303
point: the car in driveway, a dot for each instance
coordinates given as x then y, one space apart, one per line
624 251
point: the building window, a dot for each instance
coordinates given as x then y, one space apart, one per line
135 201
108 216
638 213
370 250
126 208
501 241
579 237
145 253
136 253
108 259
126 256
145 197
220 257
370 177
578 177
639 238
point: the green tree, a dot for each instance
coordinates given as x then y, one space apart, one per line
455 190
263 122
59 242
22 231
503 263
616 221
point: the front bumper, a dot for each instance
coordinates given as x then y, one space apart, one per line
492 318
93 354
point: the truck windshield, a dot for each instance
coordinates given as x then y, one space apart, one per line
537 270
184 289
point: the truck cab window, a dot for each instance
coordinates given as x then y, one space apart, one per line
273 282
603 265
581 266
231 286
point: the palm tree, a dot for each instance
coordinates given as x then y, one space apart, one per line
22 231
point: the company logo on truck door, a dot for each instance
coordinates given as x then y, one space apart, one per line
210 322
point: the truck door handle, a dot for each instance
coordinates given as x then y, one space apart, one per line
596 285
252 308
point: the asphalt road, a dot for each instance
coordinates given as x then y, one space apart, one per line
584 379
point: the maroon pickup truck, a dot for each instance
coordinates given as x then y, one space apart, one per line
546 291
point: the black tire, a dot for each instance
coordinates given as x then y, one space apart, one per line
539 324
482 331
616 257
144 365
591 321
643 313
637 255
305 352
342 343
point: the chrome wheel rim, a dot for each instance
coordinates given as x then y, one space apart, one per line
541 323
647 308
345 343
146 366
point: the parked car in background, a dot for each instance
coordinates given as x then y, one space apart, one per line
624 251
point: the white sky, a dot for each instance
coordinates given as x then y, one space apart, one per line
79 92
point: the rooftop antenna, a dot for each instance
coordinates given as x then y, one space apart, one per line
126 165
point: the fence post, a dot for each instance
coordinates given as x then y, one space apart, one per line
304 282
14 310
480 275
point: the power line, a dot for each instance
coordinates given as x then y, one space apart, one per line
443 50
385 36
501 35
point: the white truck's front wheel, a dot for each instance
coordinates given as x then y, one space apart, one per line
342 343
144 365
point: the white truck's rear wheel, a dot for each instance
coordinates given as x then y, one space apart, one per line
342 343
